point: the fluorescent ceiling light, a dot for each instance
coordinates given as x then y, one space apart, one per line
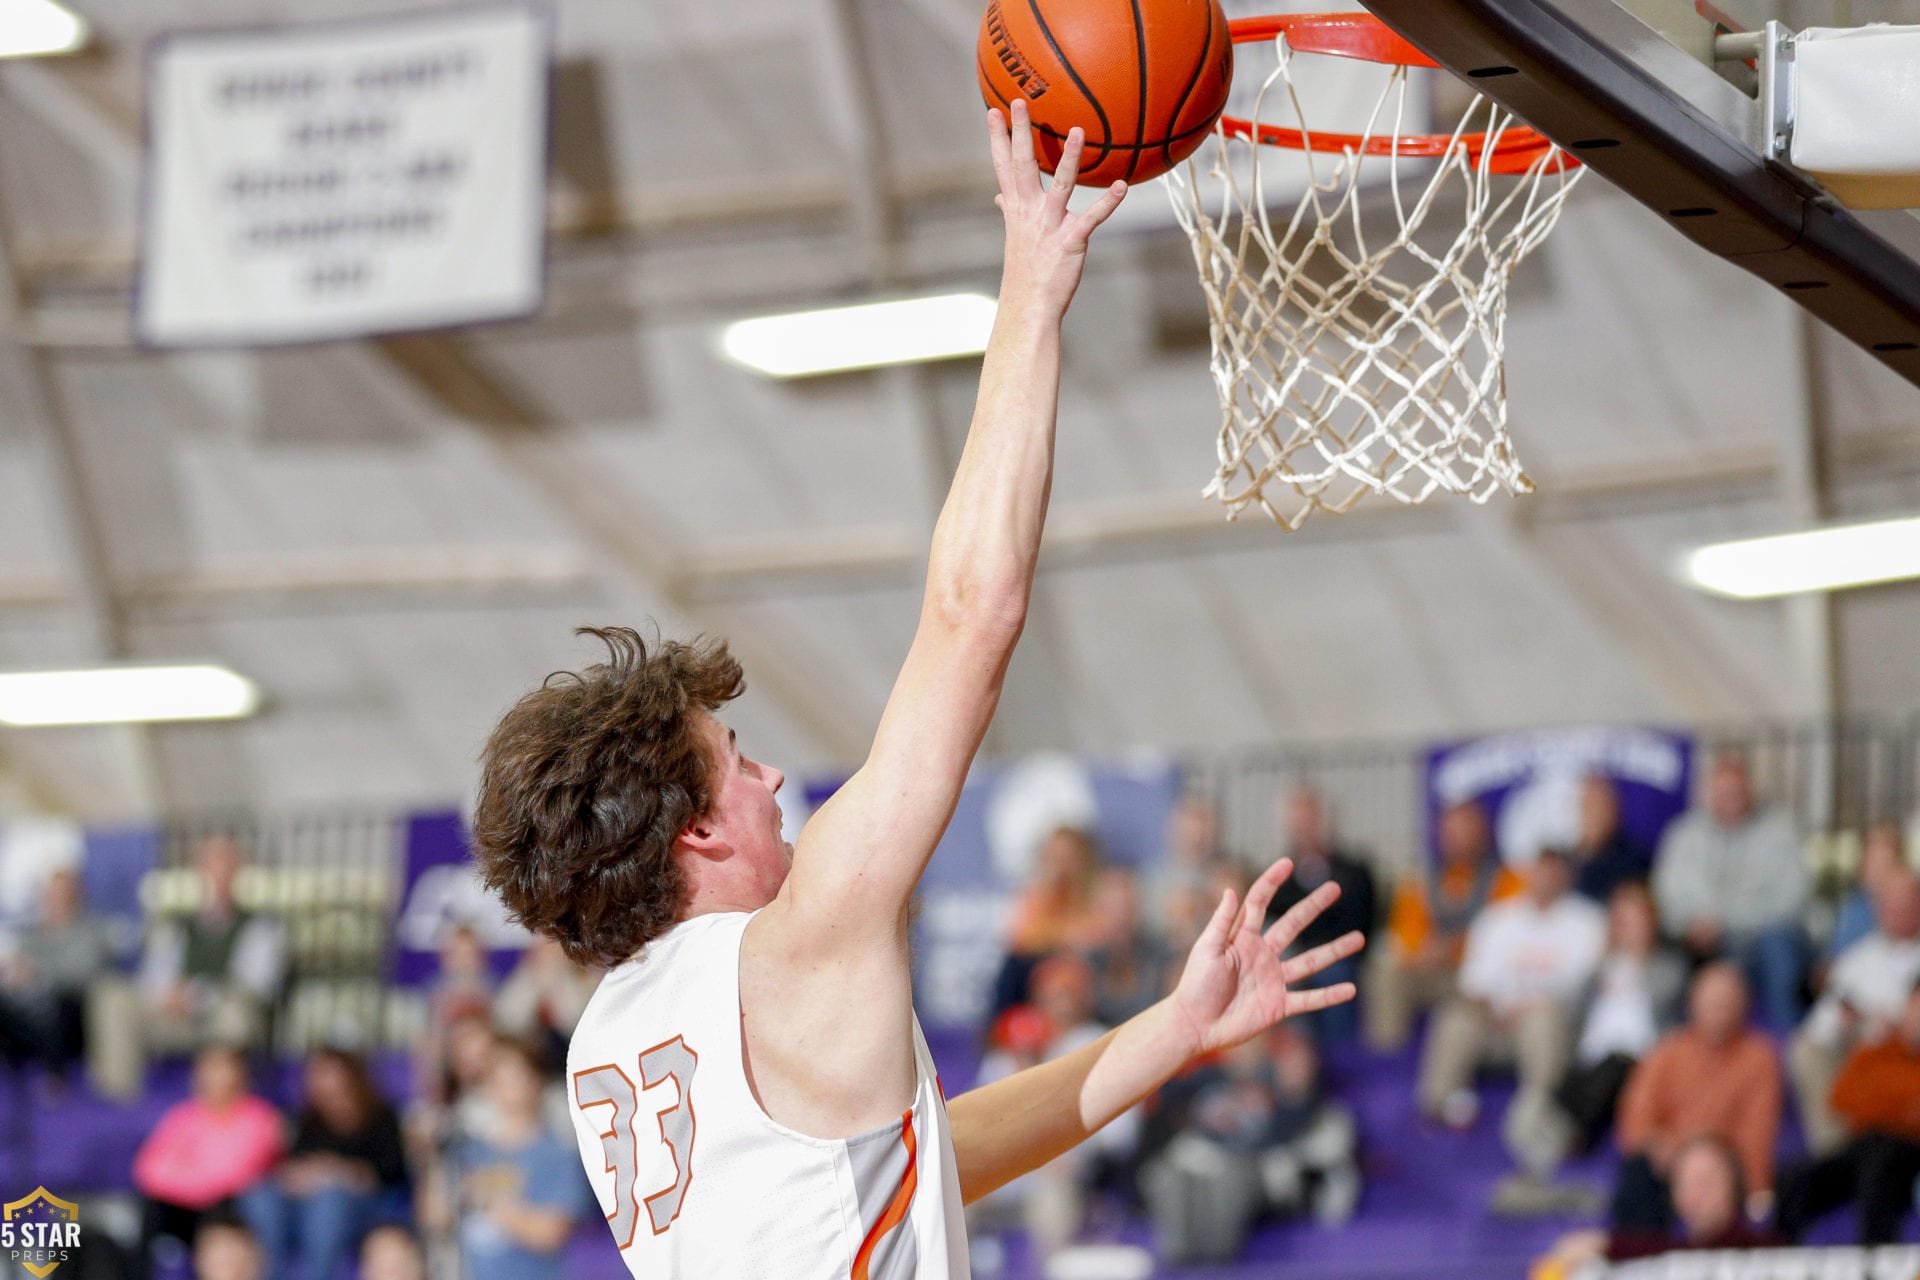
861 337
123 695
31 27
1853 555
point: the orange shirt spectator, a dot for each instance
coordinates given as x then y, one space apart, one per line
1057 907
1879 1089
1714 1076
1412 921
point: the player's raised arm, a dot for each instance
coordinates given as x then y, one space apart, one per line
858 861
826 1002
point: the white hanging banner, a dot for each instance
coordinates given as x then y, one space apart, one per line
344 179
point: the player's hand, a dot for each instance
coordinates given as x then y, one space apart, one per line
1236 983
1046 245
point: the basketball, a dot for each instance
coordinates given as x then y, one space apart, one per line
1145 79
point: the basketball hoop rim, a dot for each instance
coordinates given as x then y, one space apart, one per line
1365 38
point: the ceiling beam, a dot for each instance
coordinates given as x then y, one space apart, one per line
444 370
1135 527
414 576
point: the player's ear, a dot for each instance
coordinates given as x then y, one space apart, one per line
701 837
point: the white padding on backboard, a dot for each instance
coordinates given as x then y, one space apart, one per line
1856 112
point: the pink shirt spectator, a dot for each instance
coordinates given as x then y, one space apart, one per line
198 1156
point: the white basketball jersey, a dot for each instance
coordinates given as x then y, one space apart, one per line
698 1183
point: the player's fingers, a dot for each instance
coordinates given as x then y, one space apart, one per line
1067 172
1320 998
999 145
1302 914
1219 929
1000 203
1260 897
1308 963
1026 170
1102 209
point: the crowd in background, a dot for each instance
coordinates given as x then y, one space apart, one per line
1670 1000
469 1165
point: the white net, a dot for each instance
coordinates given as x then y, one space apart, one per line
1358 338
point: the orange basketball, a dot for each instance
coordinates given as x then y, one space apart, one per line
1145 79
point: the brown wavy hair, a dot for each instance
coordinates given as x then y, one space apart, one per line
586 783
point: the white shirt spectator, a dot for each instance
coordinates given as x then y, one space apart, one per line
1623 1018
1747 877
1873 977
1519 953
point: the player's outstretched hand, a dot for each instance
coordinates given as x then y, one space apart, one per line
1046 244
1236 983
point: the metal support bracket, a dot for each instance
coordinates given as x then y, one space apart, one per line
1770 49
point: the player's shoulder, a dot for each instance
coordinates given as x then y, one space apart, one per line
693 961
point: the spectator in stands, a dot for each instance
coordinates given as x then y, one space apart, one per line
1866 993
1715 1076
462 989
1638 996
464 985
1131 965
456 1107
211 976
1256 1134
392 1252
1052 1200
226 1250
1426 933
345 1172
1055 909
1634 998
1883 852
1527 959
543 998
47 976
1731 883
1878 1097
1183 885
1608 857
1318 858
511 1198
1056 1204
218 1143
1709 1196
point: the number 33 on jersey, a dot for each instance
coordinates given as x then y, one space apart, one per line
666 1067
697 1182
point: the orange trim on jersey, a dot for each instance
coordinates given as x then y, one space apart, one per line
896 1210
612 1131
682 1161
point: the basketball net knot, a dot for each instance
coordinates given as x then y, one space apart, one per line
1351 359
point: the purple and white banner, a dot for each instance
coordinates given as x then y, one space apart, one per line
1529 782
442 891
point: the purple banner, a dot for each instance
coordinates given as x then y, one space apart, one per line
1529 783
443 890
